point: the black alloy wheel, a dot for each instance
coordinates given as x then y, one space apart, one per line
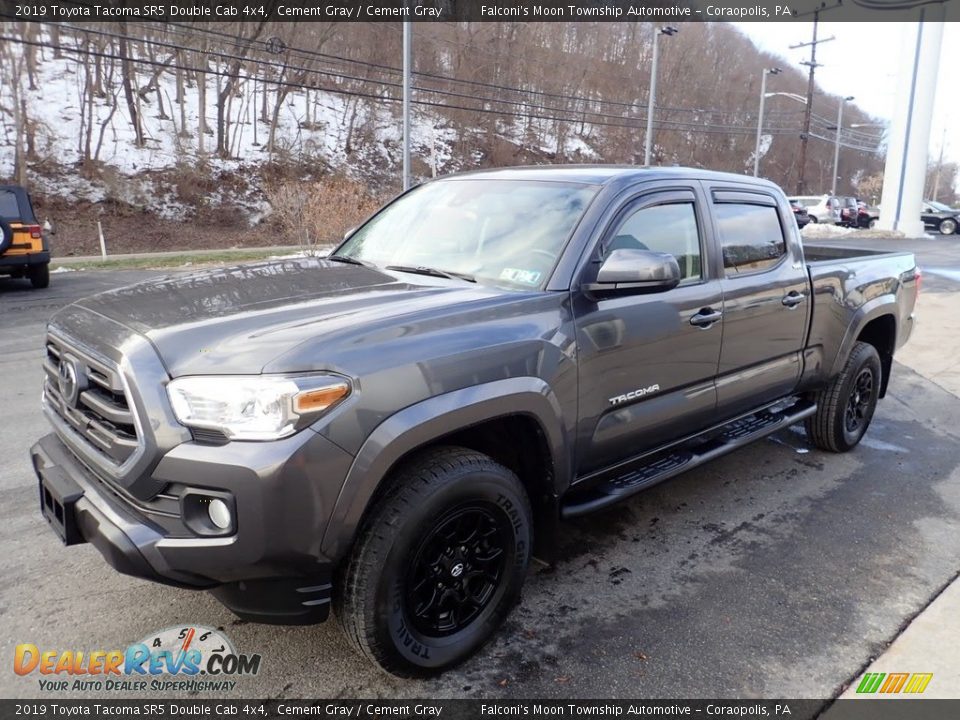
457 569
438 564
859 402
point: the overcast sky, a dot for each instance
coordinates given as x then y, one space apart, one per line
864 61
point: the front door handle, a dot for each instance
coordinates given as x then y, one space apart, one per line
706 318
793 298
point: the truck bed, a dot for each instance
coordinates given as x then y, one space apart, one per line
818 254
850 281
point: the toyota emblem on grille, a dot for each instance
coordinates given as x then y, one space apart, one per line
70 380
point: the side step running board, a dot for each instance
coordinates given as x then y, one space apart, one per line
660 466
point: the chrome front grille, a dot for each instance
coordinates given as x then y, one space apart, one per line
90 397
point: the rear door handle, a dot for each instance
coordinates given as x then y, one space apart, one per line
706 317
793 298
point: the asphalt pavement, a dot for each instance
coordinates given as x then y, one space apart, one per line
777 571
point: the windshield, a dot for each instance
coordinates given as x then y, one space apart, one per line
940 206
501 232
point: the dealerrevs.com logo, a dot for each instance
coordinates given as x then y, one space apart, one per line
191 658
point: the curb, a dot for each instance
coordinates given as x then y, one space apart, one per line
76 259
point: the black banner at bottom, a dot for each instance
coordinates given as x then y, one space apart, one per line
858 709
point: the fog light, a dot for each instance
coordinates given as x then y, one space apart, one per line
219 513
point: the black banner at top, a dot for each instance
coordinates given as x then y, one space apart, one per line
426 709
660 11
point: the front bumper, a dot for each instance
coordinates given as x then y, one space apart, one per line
268 570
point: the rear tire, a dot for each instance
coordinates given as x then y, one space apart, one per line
438 564
948 226
39 275
846 406
813 219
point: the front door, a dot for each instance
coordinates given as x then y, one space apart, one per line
647 363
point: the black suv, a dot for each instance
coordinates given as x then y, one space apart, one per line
24 249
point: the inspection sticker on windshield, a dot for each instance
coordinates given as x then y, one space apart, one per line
521 277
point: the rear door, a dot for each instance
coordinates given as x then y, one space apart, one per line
765 304
647 369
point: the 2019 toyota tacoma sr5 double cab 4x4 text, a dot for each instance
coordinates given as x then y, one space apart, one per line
394 429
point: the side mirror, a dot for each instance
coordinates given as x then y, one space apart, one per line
633 272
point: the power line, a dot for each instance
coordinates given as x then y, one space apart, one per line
389 98
567 115
562 114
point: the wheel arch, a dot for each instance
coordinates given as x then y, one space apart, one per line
502 419
881 332
875 324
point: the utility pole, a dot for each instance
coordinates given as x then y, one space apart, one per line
936 178
813 65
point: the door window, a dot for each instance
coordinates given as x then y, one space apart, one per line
670 228
751 237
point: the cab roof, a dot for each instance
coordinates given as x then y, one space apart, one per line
606 174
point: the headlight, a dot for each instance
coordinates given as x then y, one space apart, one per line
254 407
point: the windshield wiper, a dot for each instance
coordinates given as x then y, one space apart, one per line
433 272
350 260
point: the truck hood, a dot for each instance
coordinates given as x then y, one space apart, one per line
243 319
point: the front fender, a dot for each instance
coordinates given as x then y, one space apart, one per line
426 421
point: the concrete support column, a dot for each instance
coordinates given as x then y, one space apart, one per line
909 137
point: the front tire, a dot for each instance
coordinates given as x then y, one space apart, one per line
846 406
439 563
948 226
39 276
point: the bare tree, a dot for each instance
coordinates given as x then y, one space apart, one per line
128 80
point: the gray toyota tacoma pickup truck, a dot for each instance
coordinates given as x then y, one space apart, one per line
395 429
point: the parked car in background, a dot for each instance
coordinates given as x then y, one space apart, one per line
24 250
867 216
849 211
800 214
940 217
820 208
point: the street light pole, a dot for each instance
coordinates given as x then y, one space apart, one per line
652 96
836 144
763 97
406 104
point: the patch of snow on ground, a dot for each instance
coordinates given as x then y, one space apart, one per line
823 230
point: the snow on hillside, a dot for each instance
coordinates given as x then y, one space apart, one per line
370 128
56 109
